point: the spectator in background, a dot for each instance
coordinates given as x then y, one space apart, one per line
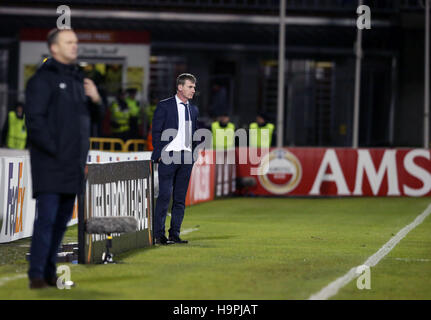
120 115
58 104
149 112
14 135
256 138
219 104
91 72
223 132
113 78
135 119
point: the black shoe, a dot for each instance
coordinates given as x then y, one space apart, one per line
163 240
38 283
177 240
52 282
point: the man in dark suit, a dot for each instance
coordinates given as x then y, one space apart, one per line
174 123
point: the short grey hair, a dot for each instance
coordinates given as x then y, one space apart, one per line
181 79
52 36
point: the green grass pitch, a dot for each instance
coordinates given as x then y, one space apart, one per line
256 248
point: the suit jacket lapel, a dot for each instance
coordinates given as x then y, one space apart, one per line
175 111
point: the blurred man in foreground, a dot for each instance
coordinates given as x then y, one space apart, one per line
58 106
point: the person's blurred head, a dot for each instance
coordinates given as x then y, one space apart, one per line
153 98
186 86
121 94
216 86
63 45
131 92
19 109
261 119
224 120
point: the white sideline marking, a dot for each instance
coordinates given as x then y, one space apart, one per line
189 230
332 289
414 260
7 279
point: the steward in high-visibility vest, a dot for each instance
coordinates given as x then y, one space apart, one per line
151 107
261 135
149 111
120 115
16 130
261 132
135 110
223 133
135 120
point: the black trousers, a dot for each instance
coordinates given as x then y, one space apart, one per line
173 181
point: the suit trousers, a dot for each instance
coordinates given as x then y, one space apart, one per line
173 181
53 212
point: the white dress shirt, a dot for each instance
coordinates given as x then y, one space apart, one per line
178 143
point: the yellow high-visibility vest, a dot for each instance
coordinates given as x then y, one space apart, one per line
120 117
149 112
223 137
17 132
135 110
261 136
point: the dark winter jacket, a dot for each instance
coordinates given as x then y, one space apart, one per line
58 122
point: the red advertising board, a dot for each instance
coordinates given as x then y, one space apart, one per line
201 185
337 172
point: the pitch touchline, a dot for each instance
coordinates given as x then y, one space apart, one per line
188 231
332 289
7 279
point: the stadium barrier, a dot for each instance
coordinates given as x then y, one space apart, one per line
106 144
16 202
137 144
122 189
339 172
117 145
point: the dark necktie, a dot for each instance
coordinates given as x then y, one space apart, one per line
187 127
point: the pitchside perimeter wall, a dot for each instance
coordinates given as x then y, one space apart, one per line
284 172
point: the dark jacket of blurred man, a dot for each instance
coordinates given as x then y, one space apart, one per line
57 110
178 114
256 138
14 131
